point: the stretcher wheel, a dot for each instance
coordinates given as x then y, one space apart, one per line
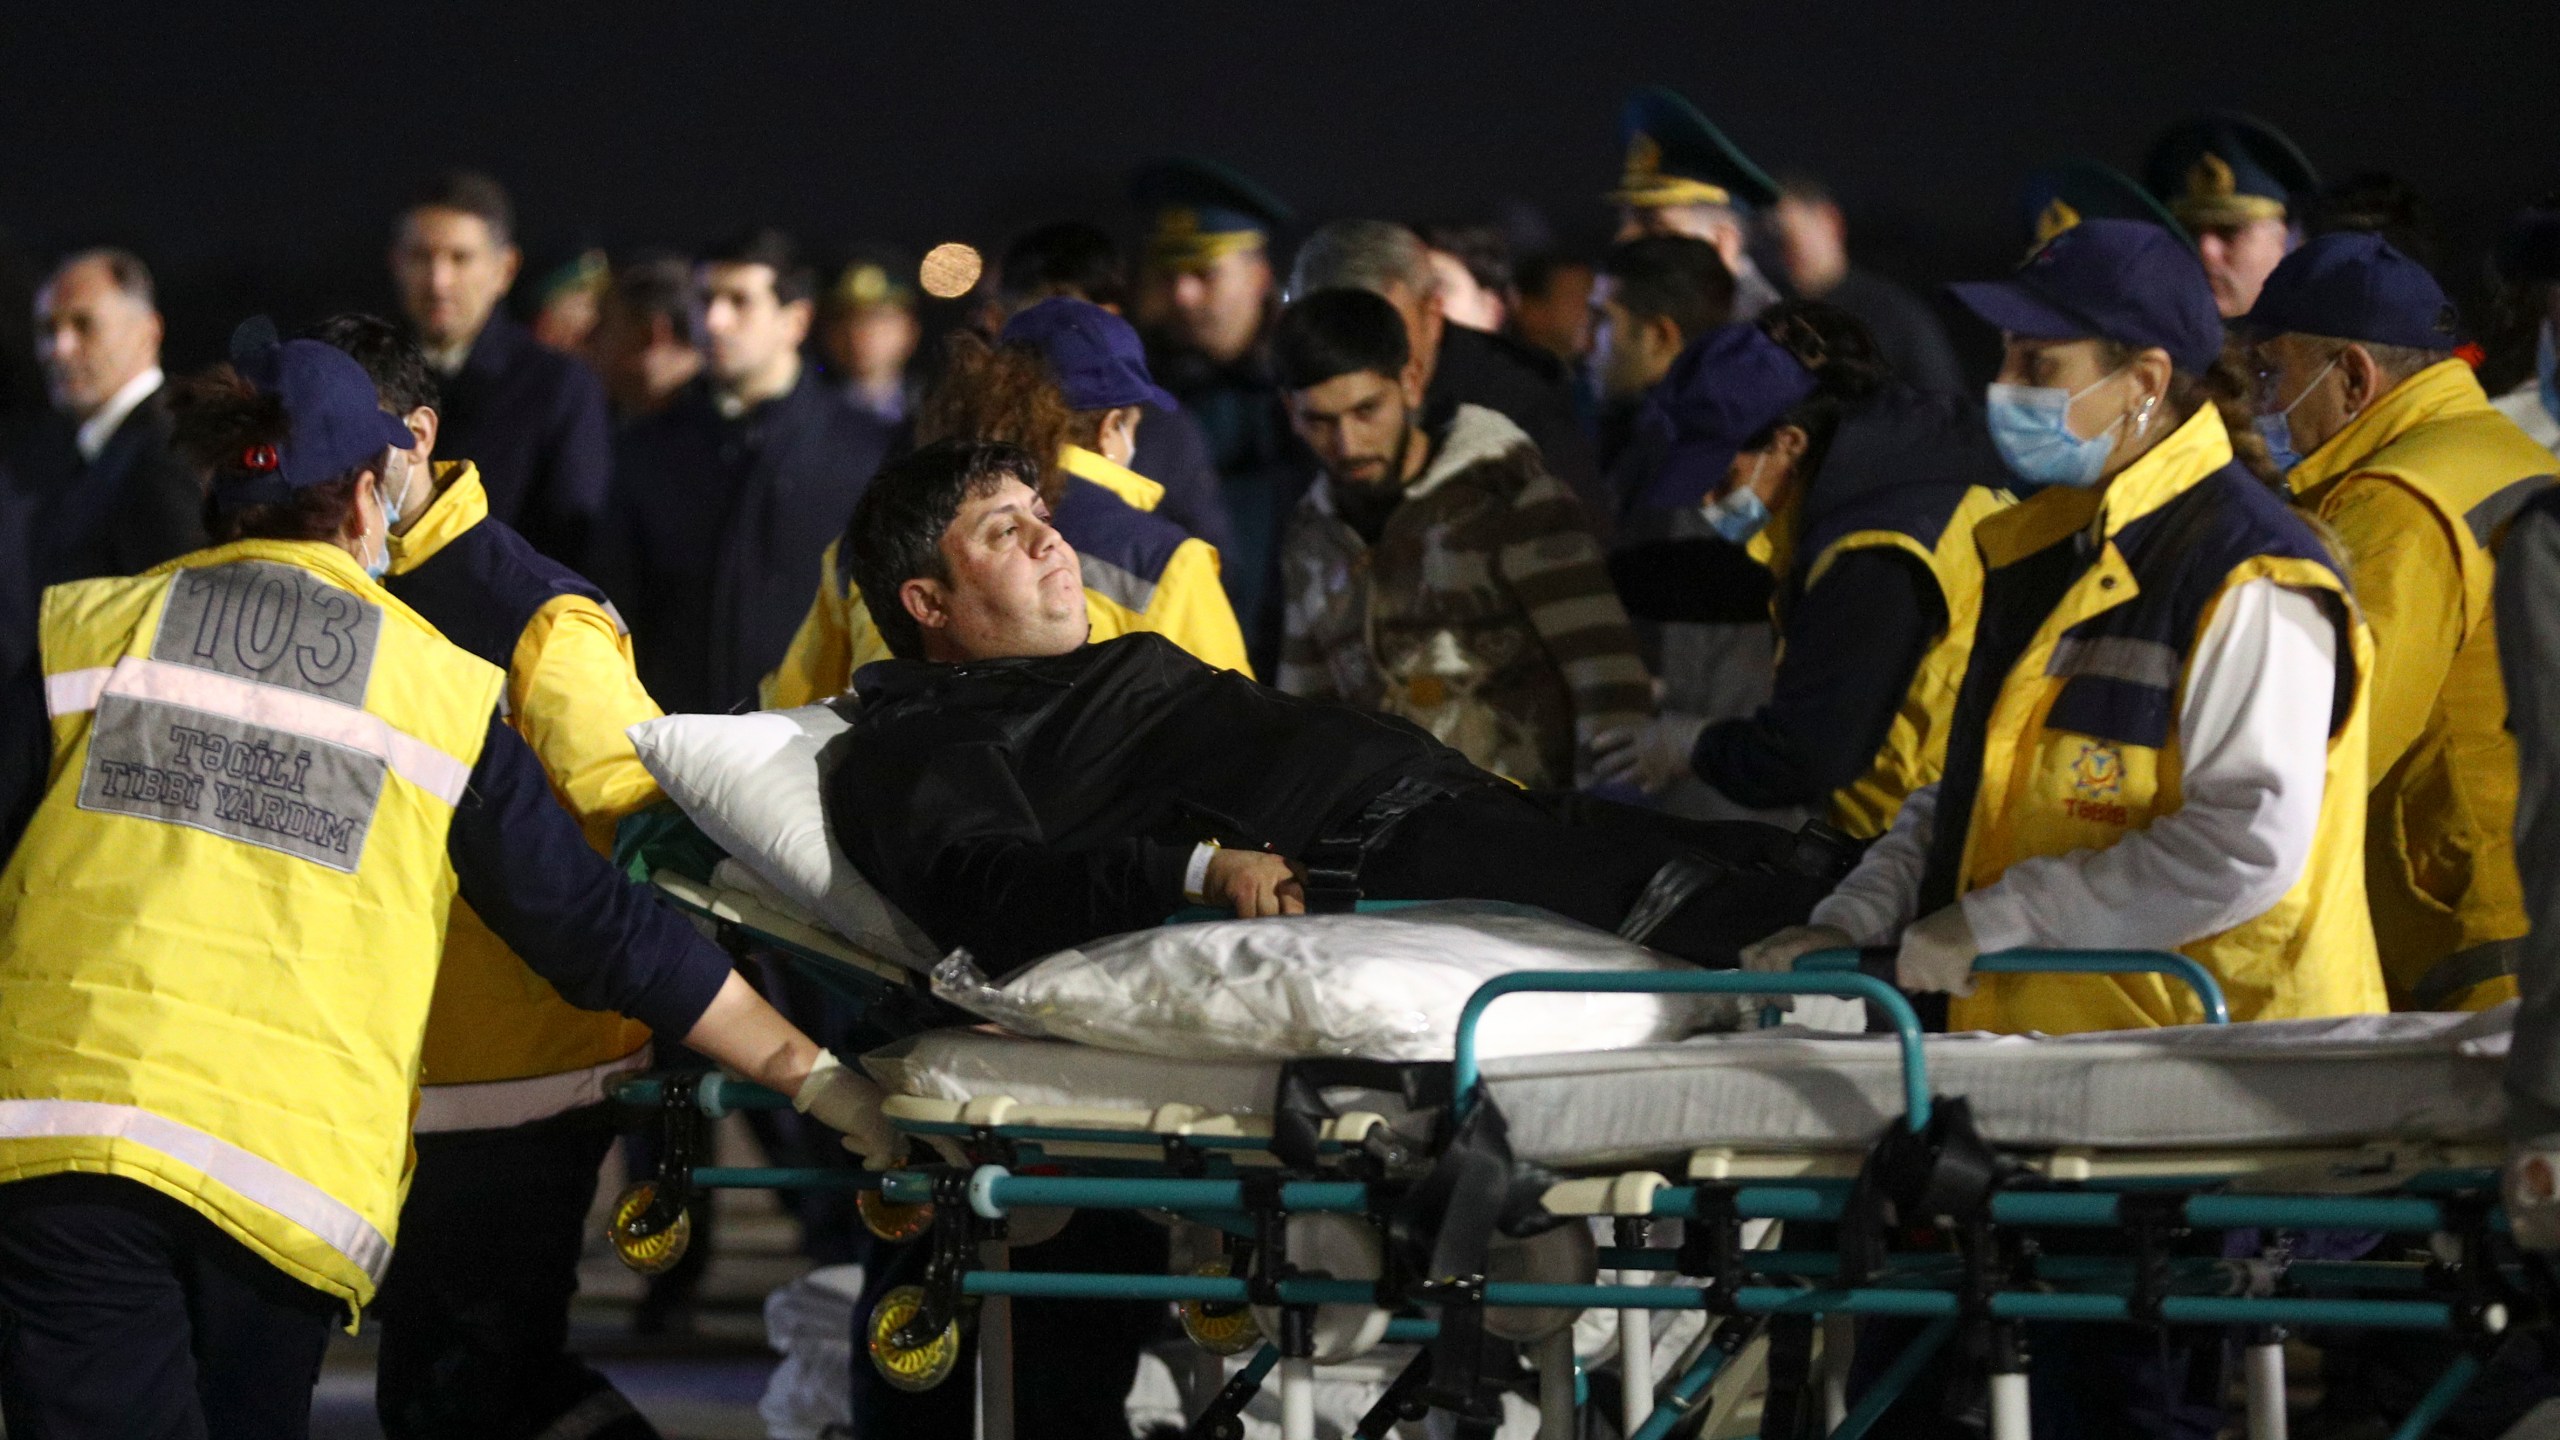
1342 1247
916 1368
891 1221
654 1253
1565 1255
1219 1329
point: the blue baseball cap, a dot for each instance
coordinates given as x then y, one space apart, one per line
1730 384
1096 358
334 418
2352 285
2106 279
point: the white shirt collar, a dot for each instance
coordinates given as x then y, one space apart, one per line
98 429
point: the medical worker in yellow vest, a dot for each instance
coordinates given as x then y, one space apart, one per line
2160 738
1067 378
512 1124
1860 494
219 935
2387 437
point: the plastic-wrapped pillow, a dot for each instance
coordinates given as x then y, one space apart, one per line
1386 985
752 782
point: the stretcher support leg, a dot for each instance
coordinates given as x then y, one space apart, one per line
1635 1335
1906 1367
1556 1386
1297 1373
995 1349
1839 1349
2262 1360
2011 1415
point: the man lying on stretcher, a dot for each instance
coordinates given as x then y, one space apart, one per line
1019 791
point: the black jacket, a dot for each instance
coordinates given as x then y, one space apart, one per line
1174 453
535 422
1018 807
137 504
711 547
1531 389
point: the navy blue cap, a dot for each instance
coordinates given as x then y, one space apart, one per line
1676 156
1198 210
1730 384
334 419
2062 195
2228 169
2351 285
2121 280
1096 358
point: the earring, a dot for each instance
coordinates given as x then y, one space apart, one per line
2142 421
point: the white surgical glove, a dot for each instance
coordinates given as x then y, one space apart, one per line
1937 954
844 1100
1779 953
1651 756
2533 1196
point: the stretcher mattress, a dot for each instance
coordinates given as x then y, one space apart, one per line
2274 1084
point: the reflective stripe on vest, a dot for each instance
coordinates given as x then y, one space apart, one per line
497 1104
267 1184
414 760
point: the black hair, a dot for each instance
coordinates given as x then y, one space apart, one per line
898 525
401 380
657 286
1481 249
472 193
2379 203
216 417
1847 369
1067 257
1679 278
1338 332
1536 274
794 279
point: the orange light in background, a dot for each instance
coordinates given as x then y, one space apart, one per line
950 270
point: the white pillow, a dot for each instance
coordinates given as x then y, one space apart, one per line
752 783
1386 985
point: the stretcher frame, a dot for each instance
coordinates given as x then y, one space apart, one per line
1217 1171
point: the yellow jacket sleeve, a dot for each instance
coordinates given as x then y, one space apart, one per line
574 697
1191 609
820 662
2408 581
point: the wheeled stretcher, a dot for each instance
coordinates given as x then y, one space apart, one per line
1461 1214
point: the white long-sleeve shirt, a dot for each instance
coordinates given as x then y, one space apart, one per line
2254 743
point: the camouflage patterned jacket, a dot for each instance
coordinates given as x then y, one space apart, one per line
1484 614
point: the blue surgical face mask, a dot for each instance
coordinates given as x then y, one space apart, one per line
1739 513
2546 364
380 565
2031 427
2277 429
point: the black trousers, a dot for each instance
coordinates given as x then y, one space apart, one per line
1589 860
125 1313
475 1311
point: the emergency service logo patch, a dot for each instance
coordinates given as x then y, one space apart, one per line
2097 784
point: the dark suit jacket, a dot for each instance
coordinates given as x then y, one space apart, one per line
1174 453
535 422
1531 389
137 504
710 548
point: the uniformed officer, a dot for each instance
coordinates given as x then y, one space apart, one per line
2160 739
2239 187
1206 295
1861 495
2401 456
1683 177
1141 571
512 1123
2063 194
220 933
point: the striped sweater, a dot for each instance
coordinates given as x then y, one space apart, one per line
1484 614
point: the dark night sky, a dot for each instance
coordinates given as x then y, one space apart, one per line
254 154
